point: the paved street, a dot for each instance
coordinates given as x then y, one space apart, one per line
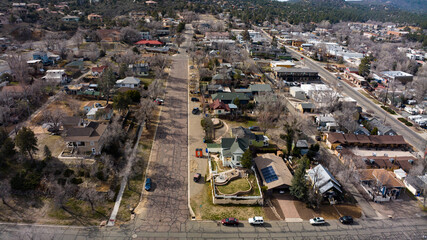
165 207
388 229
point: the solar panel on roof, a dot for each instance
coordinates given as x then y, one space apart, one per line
269 174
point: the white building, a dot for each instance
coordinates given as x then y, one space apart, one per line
129 82
57 76
297 93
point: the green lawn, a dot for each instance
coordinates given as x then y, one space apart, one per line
240 184
146 80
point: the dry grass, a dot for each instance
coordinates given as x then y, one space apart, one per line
206 210
328 211
240 184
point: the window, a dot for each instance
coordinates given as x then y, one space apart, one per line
92 143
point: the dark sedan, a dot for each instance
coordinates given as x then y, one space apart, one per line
230 221
346 220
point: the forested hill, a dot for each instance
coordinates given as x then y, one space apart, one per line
318 10
408 5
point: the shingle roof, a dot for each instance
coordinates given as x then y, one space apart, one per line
92 132
229 96
385 177
282 172
323 179
219 105
260 88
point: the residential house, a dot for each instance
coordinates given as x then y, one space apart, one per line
324 181
232 150
231 97
216 88
35 67
382 129
108 35
46 60
87 139
220 108
70 122
145 35
100 113
362 131
256 140
94 17
76 65
139 69
57 76
129 82
262 98
88 106
380 184
260 88
417 185
98 70
222 79
149 43
296 74
69 18
302 145
274 173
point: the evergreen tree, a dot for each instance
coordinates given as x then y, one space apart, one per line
246 160
26 141
299 183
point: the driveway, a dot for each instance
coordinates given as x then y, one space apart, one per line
285 204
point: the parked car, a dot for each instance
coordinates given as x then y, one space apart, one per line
256 220
195 111
194 99
346 220
148 184
197 177
159 101
317 221
254 128
230 221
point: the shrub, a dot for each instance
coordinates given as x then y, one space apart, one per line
57 172
25 181
62 181
100 175
68 172
81 173
389 110
76 181
406 122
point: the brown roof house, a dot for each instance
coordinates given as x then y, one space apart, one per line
274 172
88 139
380 184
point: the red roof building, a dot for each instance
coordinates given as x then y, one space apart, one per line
149 43
220 108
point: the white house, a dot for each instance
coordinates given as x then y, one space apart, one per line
232 150
57 75
129 82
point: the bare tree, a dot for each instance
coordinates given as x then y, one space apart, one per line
54 119
19 67
129 35
179 39
89 194
145 111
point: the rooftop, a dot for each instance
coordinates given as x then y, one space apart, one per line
274 172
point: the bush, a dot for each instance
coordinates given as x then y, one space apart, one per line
68 172
100 175
389 110
81 173
62 181
57 172
25 181
76 181
406 122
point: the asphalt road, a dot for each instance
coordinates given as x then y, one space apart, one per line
165 207
388 229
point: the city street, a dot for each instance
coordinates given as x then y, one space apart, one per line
387 229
